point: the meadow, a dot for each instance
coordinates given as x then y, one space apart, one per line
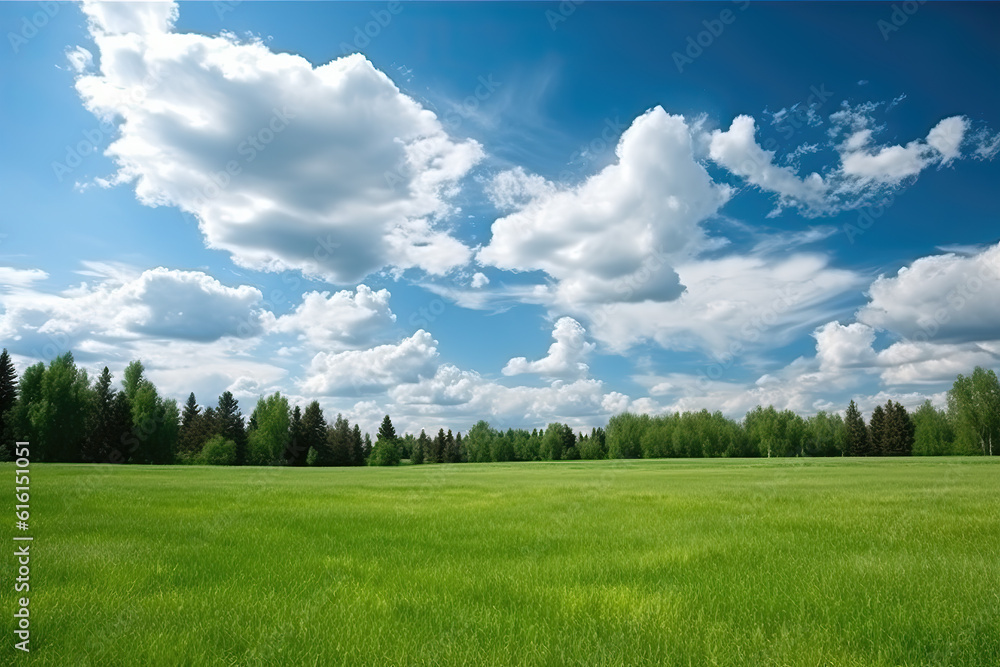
675 562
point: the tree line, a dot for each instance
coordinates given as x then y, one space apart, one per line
68 418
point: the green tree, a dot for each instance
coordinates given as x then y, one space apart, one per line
296 451
478 442
218 451
898 436
339 442
423 444
624 435
593 446
188 440
230 424
386 449
553 442
8 393
357 447
933 433
103 430
856 440
268 442
314 434
974 408
877 432
60 415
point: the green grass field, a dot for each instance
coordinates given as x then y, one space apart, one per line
681 562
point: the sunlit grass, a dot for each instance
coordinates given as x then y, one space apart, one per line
791 562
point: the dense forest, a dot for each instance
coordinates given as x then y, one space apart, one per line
69 418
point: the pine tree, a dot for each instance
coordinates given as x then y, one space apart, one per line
877 432
386 431
121 429
900 431
386 450
357 447
368 447
296 451
101 436
459 449
338 442
857 435
450 454
188 440
420 449
314 432
230 424
437 448
8 393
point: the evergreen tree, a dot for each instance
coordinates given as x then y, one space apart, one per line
386 449
296 451
877 431
450 449
899 431
121 429
102 433
188 440
436 452
314 433
357 447
8 393
338 442
856 434
423 444
230 425
368 447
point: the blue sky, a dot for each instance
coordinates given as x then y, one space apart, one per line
510 211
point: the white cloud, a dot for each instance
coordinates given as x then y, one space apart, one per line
11 278
118 18
458 395
731 305
338 321
566 355
330 170
479 280
627 222
357 372
892 164
158 303
737 150
841 347
946 297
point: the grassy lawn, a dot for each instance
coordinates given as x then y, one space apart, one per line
686 562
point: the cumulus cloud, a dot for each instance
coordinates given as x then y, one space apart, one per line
159 303
338 321
737 150
629 220
330 170
945 297
479 280
892 164
841 347
732 304
373 370
566 355
466 394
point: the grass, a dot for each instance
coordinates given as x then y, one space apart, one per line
682 562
